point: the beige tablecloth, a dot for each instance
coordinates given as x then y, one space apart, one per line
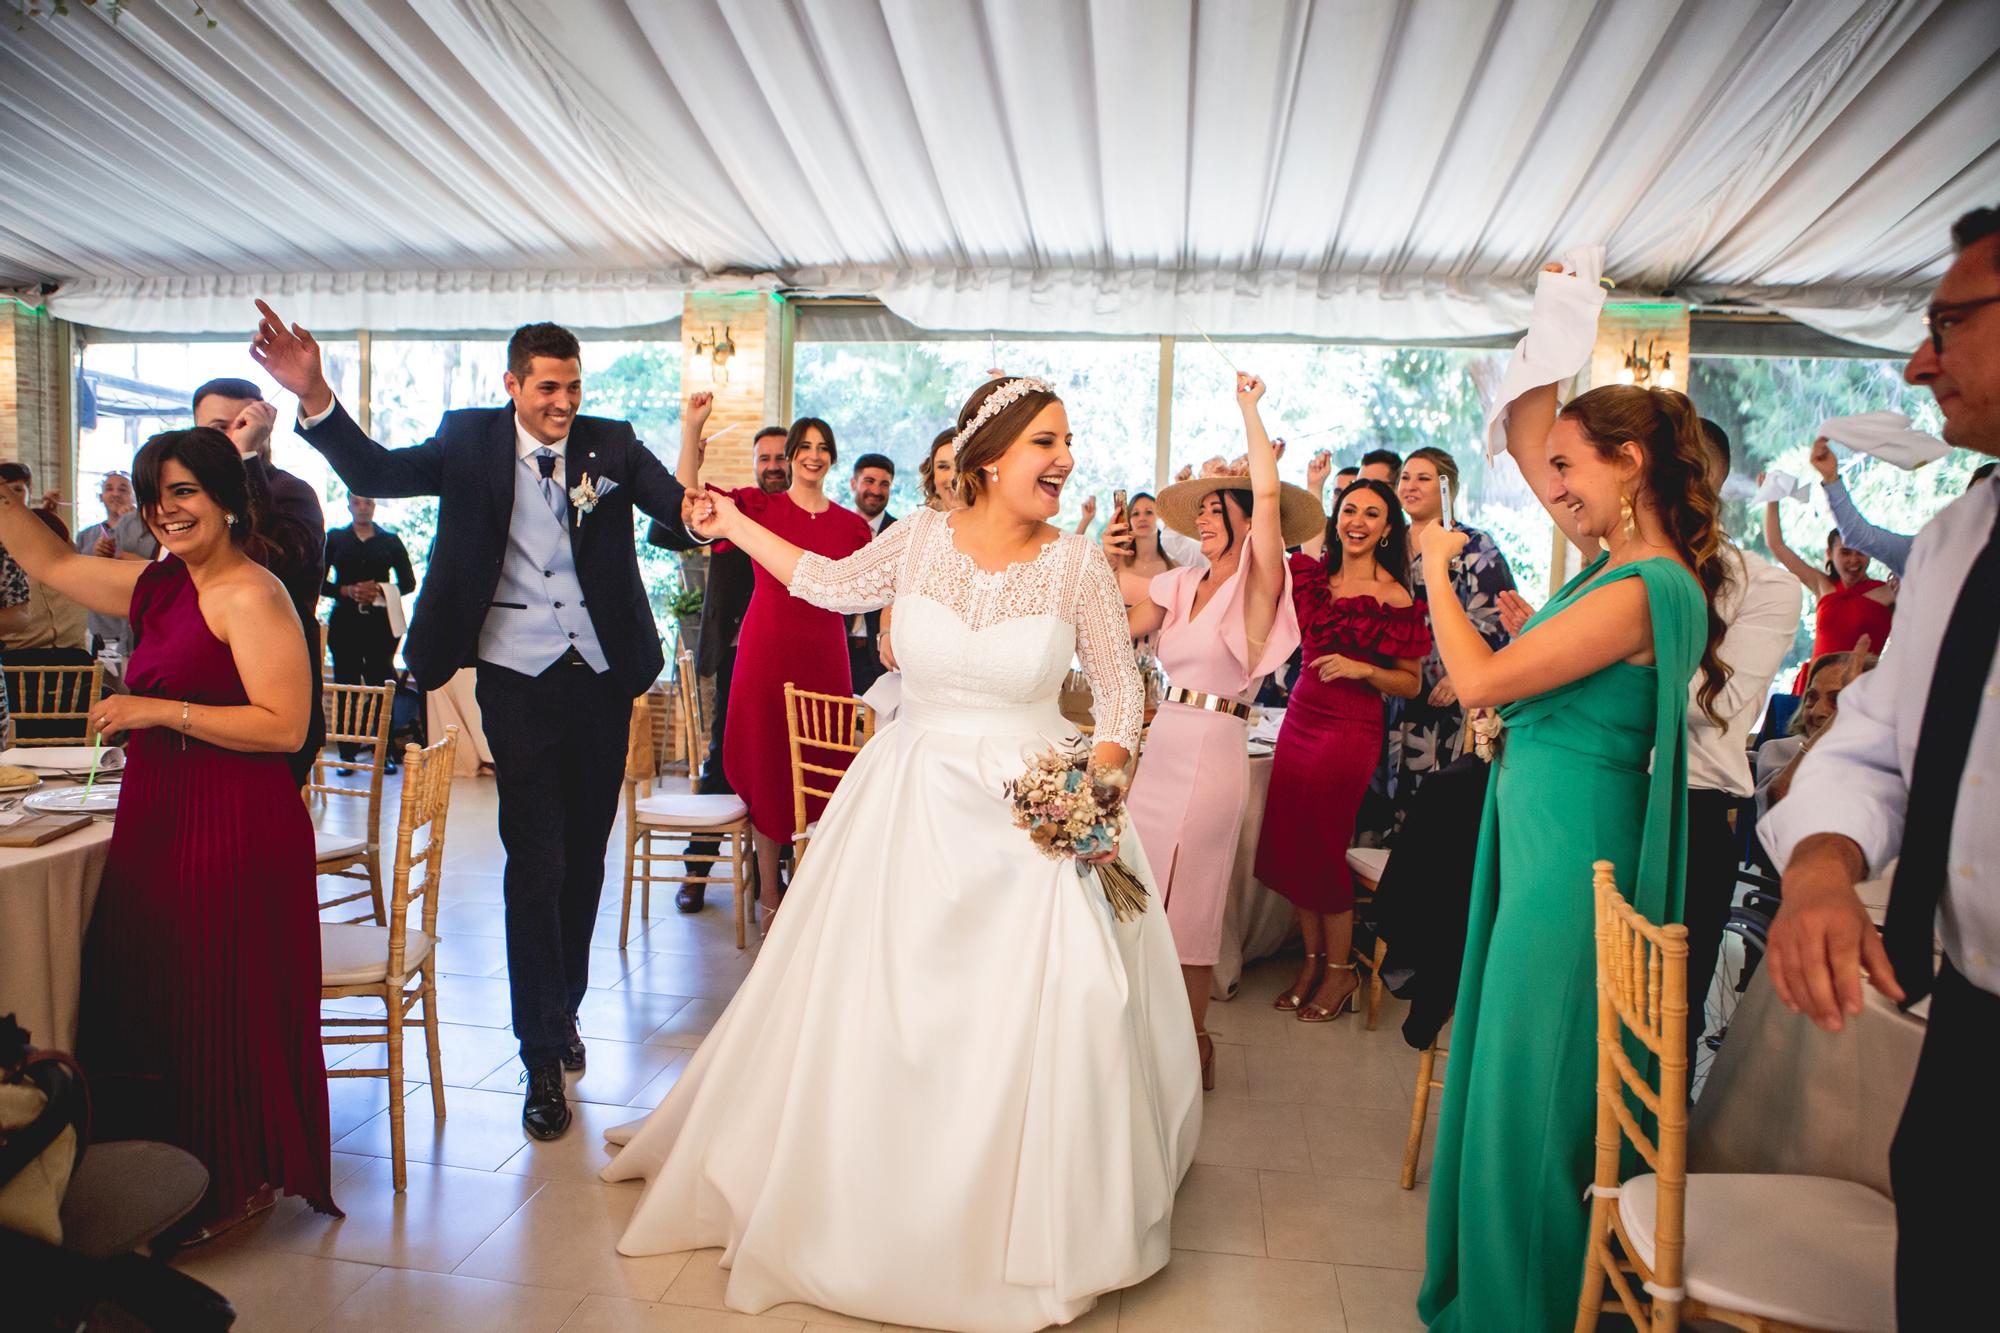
1255 921
1784 1097
457 705
46 897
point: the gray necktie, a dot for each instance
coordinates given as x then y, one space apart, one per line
545 459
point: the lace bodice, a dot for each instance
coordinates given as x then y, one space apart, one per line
967 638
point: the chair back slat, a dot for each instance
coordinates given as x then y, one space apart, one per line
823 722
359 715
427 775
54 694
694 734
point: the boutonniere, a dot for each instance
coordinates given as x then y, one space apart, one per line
583 496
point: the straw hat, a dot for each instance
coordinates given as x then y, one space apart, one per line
1298 512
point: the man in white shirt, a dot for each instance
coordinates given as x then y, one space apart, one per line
1910 768
1760 608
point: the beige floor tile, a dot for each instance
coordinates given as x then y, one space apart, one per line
471 955
689 1025
611 1314
481 1129
471 918
626 1015
353 1102
1354 1068
1245 1022
703 1281
1358 1141
1255 1134
567 1236
273 1290
1231 1080
1380 1300
1229 1293
713 929
442 1217
1219 1209
470 1053
704 975
1343 1219
579 1154
404 1302
663 1082
472 875
482 1001
614 1072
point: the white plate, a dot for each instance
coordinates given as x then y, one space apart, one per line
102 800
29 785
62 758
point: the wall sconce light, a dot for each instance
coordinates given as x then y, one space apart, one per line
1652 366
718 350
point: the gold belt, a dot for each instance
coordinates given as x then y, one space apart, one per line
1213 703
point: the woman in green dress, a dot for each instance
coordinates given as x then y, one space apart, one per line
1593 695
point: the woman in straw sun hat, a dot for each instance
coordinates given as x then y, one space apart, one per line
1221 630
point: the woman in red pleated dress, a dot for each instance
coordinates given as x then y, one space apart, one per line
1847 603
1363 637
200 1022
783 639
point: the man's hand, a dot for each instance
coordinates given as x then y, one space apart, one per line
1823 461
1318 468
106 547
367 592
1822 944
1515 611
251 431
291 357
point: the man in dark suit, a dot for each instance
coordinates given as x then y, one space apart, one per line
533 580
292 525
873 475
724 601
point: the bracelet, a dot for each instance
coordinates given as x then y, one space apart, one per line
184 717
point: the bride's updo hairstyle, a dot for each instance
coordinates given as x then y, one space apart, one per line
1675 485
981 448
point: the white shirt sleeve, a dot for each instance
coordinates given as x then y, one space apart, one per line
308 422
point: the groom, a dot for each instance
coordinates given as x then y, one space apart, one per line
534 581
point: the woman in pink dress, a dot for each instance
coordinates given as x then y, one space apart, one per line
1221 630
200 1021
1364 637
783 639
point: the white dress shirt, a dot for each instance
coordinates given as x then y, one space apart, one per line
1760 607
1856 779
526 445
1183 551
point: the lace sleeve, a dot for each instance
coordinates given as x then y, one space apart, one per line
864 581
1104 645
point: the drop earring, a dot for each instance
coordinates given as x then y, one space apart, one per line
1626 514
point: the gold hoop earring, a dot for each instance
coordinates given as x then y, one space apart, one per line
1627 514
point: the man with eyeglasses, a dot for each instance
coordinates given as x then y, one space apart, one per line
1910 768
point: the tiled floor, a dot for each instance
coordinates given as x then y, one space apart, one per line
1291 1218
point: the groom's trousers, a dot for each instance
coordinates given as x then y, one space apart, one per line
558 742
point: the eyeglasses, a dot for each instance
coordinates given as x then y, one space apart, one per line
1940 318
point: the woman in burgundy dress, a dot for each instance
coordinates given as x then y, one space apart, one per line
1363 637
201 973
783 639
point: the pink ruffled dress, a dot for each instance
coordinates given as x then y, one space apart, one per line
1194 776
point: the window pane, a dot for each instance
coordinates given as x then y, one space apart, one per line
1350 400
893 398
132 391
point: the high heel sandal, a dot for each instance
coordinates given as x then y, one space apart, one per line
1205 1045
1293 999
1315 1012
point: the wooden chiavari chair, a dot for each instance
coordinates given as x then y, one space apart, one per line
836 722
1767 1253
55 701
394 963
358 715
1365 866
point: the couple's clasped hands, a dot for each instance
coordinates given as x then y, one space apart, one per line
708 513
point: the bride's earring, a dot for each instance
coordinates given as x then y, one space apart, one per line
1629 518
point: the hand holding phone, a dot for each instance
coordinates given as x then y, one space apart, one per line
1444 501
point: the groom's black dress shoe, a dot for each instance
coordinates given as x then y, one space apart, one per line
546 1112
690 898
572 1054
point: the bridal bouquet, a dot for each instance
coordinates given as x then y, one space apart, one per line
1071 810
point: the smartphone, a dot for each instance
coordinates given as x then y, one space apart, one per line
1444 502
1118 506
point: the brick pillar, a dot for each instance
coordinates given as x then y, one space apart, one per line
34 409
751 397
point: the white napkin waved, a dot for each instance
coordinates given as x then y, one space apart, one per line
1781 485
1888 436
1562 330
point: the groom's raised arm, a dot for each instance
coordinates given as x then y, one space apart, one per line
292 357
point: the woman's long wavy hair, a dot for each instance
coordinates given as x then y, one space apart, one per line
926 473
1676 487
1394 558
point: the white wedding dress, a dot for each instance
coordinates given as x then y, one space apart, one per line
954 1092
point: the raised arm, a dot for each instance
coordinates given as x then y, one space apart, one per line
1105 650
694 449
1774 537
399 563
864 581
1891 548
1264 581
96 584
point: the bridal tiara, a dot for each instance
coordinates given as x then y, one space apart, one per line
998 401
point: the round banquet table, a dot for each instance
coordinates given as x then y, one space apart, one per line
46 897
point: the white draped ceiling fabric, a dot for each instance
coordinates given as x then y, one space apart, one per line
1390 169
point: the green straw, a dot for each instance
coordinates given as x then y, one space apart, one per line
96 749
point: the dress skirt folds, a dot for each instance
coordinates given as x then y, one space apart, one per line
955 1091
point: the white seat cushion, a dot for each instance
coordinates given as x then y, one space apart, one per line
357 955
327 845
1368 862
1803 1249
691 811
808 833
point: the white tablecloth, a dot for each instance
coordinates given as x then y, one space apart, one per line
46 896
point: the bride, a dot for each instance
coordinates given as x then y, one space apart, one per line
955 1091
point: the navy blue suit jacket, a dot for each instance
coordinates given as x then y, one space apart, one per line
469 465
